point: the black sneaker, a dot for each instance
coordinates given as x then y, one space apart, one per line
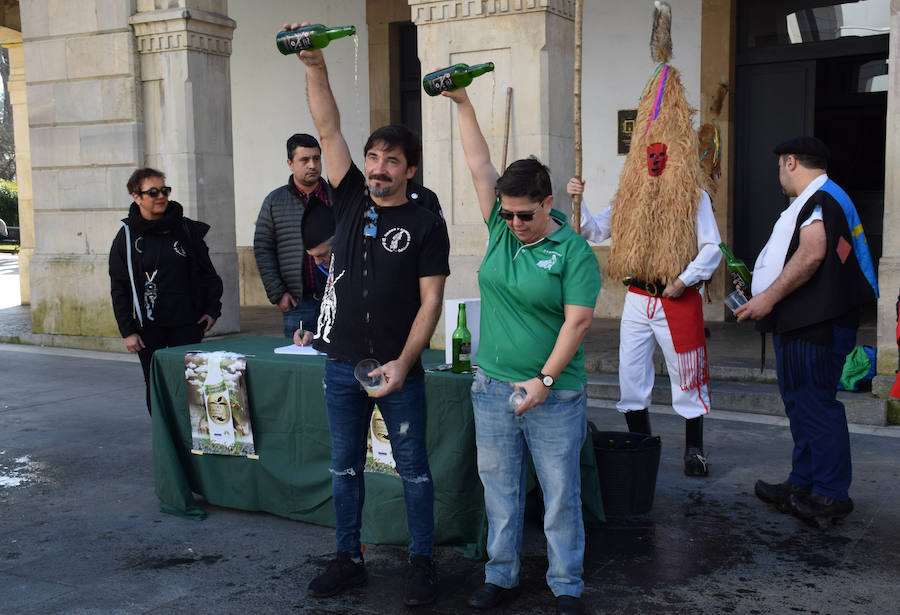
695 462
342 573
820 511
778 495
421 584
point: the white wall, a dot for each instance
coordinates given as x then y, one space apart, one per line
269 93
616 66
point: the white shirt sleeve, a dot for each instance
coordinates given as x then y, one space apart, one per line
595 228
815 215
708 240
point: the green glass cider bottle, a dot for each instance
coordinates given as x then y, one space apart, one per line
462 344
737 269
315 36
453 77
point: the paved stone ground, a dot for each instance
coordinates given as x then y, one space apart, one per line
81 531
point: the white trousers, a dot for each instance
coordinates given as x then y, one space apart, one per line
643 326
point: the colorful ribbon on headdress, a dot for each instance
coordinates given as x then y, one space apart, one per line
715 146
659 95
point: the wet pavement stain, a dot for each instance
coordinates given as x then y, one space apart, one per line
160 563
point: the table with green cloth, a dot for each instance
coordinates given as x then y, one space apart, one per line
291 476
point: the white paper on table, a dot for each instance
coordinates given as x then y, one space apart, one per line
295 349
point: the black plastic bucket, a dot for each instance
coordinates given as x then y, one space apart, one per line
627 463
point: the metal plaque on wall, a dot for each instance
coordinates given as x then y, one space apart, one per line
625 129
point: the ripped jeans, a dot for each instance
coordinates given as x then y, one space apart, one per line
349 411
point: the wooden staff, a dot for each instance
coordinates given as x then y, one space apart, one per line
576 95
506 129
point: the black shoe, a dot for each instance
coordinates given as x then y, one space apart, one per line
820 511
342 573
489 595
779 495
421 585
568 605
695 462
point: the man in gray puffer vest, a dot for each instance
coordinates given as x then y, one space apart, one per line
288 273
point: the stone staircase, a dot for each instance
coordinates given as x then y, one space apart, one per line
733 391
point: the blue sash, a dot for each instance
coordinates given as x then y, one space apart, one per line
860 246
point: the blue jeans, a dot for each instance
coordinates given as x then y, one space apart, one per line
808 376
349 412
307 311
554 433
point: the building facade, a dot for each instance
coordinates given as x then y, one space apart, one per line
197 89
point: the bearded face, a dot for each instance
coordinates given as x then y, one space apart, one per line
656 159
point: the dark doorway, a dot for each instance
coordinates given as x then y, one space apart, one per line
802 70
406 80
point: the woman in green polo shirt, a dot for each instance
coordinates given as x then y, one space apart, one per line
539 282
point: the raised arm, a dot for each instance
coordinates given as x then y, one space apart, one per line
484 175
325 114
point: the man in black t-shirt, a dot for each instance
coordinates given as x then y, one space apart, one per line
382 300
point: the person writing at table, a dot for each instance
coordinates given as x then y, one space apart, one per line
318 234
539 282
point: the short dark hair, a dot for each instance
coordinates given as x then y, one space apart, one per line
811 162
397 135
526 177
301 139
137 178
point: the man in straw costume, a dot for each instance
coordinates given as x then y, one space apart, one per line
664 247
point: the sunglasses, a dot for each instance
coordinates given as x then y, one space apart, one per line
371 218
524 216
154 192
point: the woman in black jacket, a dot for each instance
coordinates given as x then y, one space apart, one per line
165 290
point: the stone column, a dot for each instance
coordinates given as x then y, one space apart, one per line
717 57
889 265
185 87
13 43
85 137
531 43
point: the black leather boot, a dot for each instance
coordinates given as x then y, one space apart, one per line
638 421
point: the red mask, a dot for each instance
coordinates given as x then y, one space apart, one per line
656 159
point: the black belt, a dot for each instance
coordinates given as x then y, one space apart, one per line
654 289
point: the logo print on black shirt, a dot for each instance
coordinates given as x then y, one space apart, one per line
396 240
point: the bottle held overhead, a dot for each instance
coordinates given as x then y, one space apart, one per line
315 36
737 269
453 77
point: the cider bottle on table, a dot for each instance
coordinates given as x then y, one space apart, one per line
462 344
316 36
218 404
737 269
453 77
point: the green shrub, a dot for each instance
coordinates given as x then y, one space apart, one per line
9 202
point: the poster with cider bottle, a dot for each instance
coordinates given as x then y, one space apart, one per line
217 399
379 457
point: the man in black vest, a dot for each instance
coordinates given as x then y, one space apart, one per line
808 284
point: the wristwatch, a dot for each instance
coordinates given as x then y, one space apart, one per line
546 380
